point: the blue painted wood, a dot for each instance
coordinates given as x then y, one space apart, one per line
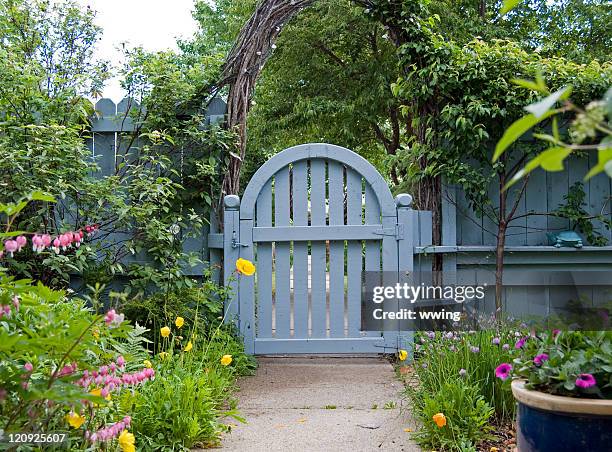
312 151
535 202
318 263
282 299
264 265
354 206
300 250
231 228
334 321
336 250
557 185
599 198
246 284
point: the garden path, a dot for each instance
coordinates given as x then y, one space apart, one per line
321 404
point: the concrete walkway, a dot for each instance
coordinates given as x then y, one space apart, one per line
321 404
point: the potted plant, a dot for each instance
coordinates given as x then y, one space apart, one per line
562 382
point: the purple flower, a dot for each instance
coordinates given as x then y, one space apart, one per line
431 334
474 349
503 370
462 372
449 335
539 359
495 341
424 365
506 346
585 381
520 343
555 332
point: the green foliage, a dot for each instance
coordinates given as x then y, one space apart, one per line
191 393
467 414
568 355
580 219
201 305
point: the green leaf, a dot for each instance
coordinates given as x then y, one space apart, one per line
516 130
40 196
604 160
552 159
540 108
529 84
508 6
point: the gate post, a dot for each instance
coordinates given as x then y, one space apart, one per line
407 222
231 253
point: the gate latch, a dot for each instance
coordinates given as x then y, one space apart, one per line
235 242
397 231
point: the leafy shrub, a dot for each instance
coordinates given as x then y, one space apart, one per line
464 413
192 391
570 363
201 305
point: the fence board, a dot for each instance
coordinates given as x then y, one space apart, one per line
300 250
318 252
282 298
336 251
354 206
264 267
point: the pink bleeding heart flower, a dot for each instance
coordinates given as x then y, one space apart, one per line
56 245
110 316
28 367
121 362
46 240
11 246
21 241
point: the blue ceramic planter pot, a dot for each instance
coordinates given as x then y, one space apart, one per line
548 422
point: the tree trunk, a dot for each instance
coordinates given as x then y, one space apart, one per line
244 63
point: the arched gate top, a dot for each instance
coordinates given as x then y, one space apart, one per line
317 151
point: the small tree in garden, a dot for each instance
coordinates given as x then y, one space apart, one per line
457 101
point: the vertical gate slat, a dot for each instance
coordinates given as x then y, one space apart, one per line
372 247
353 264
372 216
300 251
336 251
247 288
317 260
282 300
264 265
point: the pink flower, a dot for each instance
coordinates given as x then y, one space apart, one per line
10 246
56 245
16 302
539 359
506 347
520 343
585 381
555 332
28 367
110 316
46 240
503 371
21 241
121 362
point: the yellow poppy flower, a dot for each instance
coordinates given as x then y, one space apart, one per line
245 266
179 322
96 392
226 360
147 364
165 331
188 347
75 420
402 355
126 441
439 419
163 355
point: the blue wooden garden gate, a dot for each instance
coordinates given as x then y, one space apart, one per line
312 218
